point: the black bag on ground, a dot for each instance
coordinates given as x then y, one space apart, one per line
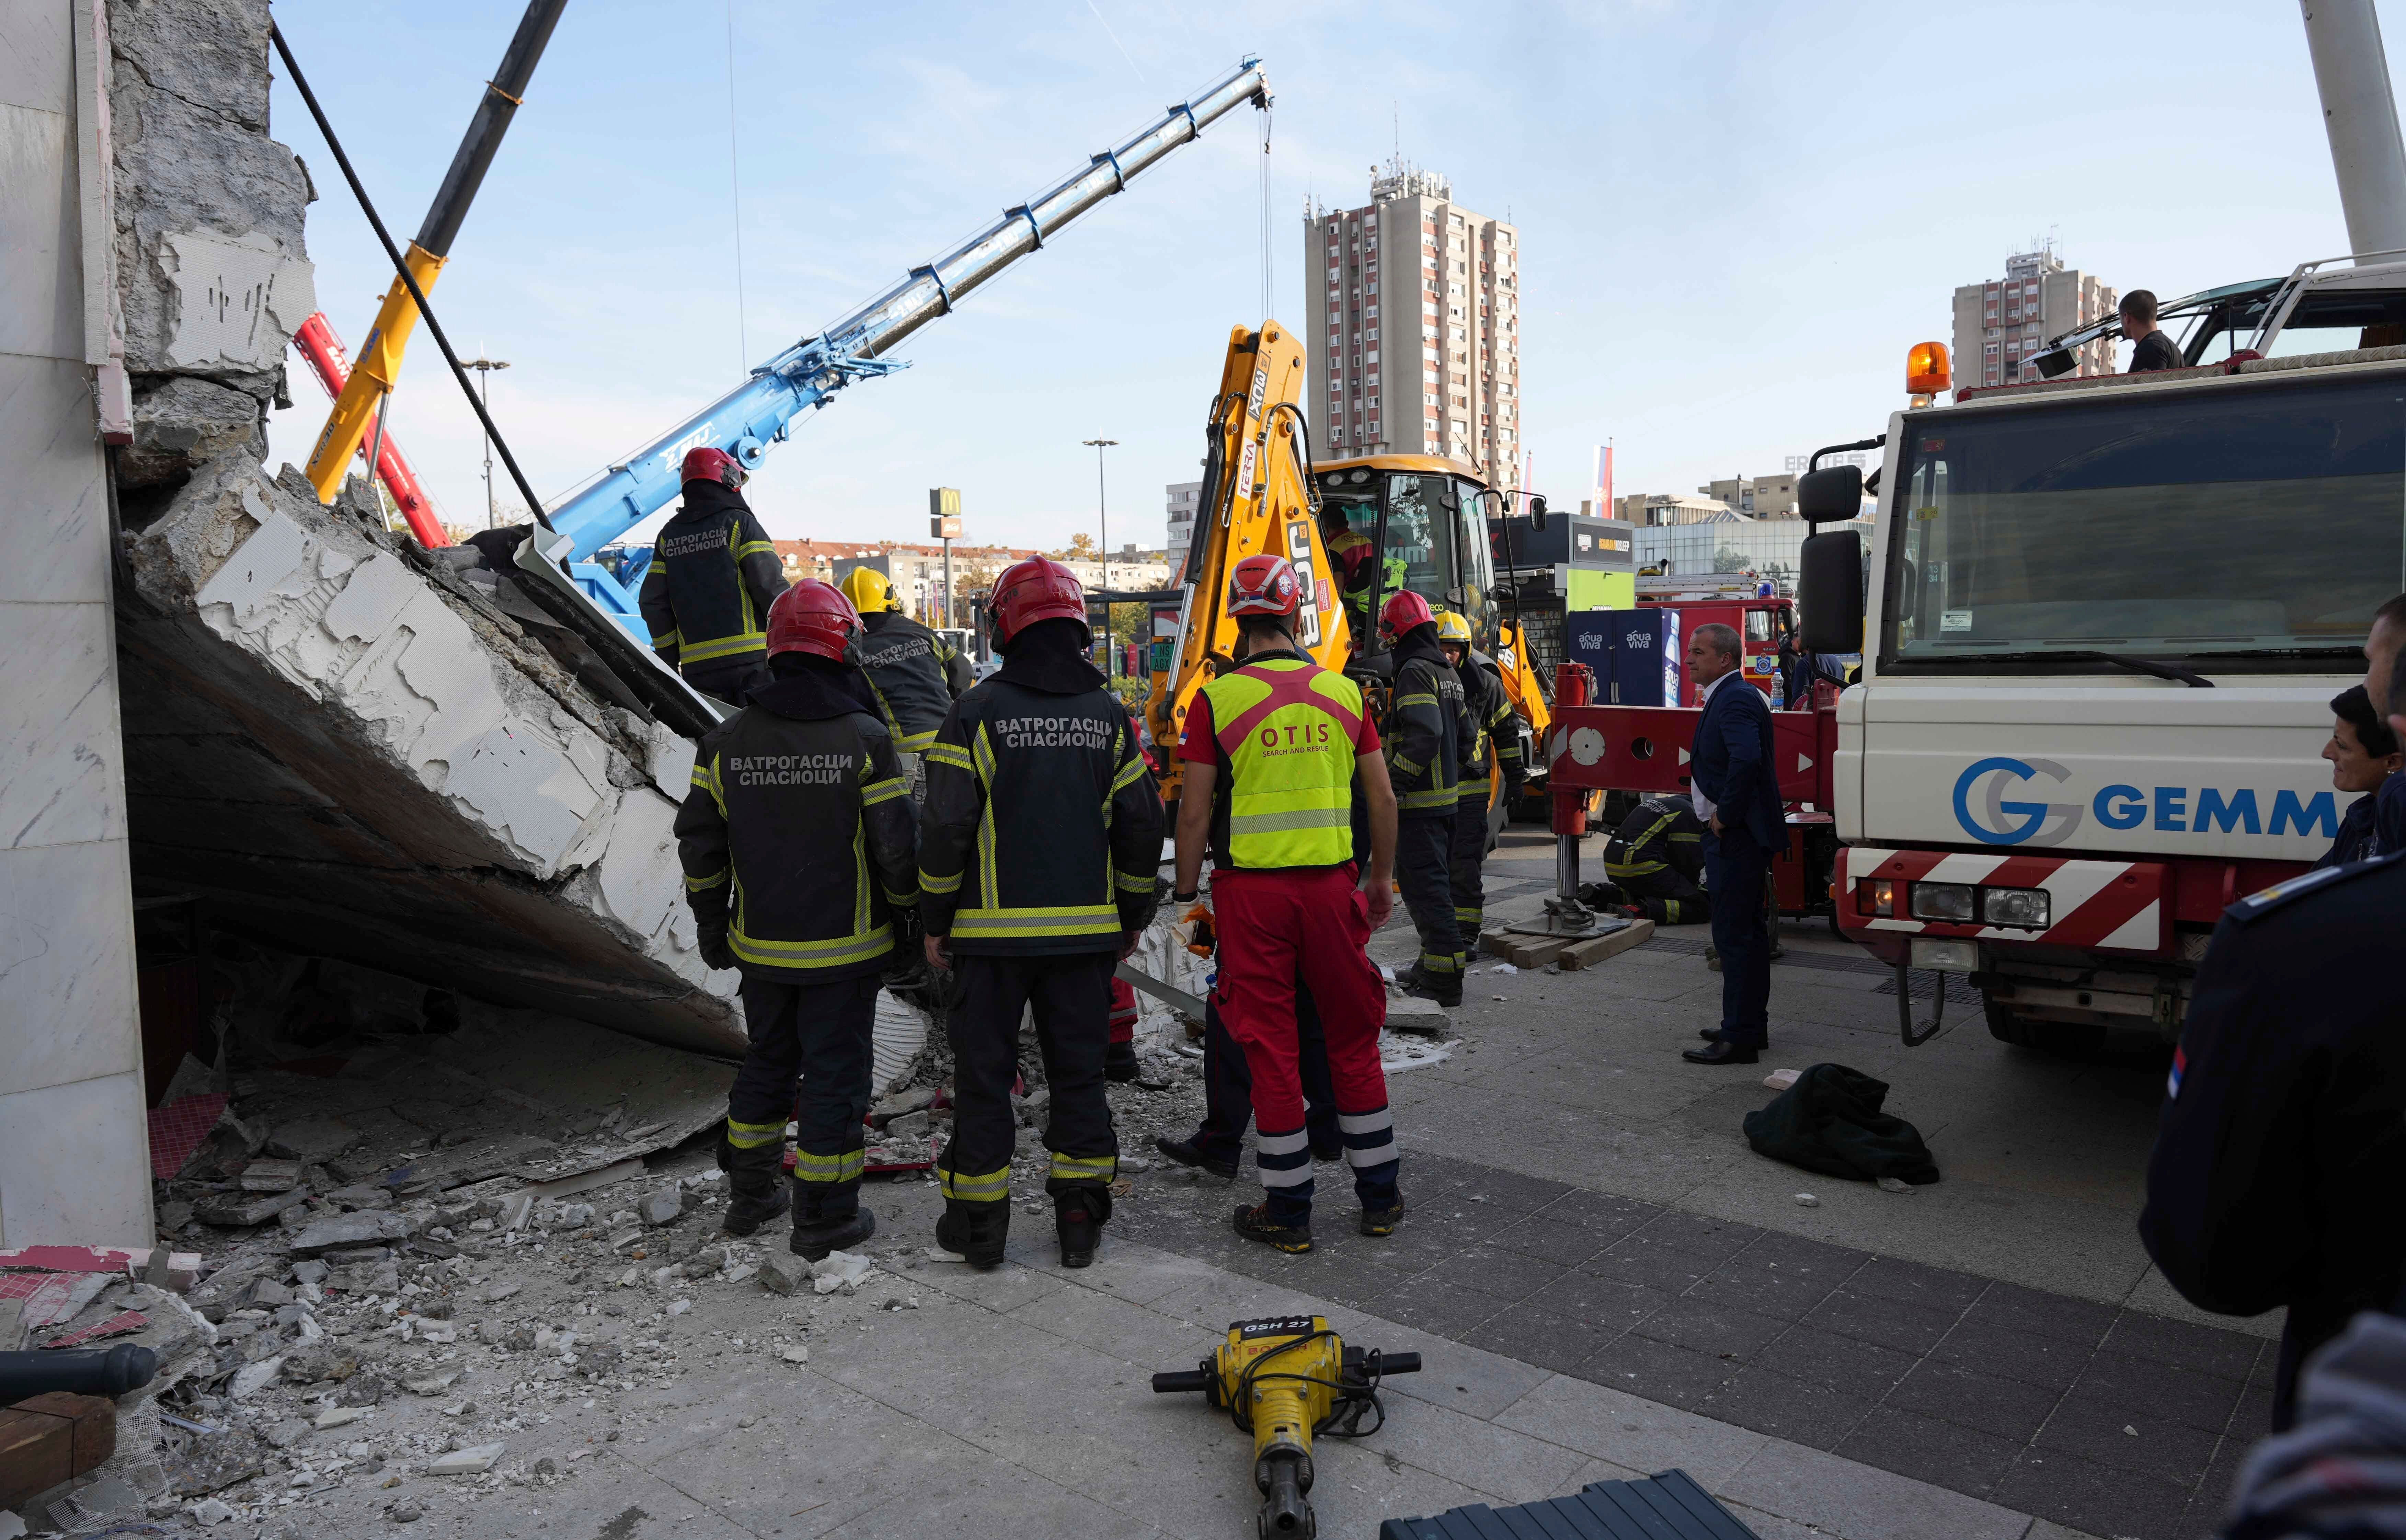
1830 1120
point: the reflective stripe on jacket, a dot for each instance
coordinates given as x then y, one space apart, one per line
1490 714
713 575
1286 730
1043 828
1427 727
1662 834
916 674
797 836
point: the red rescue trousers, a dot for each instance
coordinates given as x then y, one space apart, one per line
1314 922
1123 1011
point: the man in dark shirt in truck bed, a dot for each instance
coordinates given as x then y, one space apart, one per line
2151 346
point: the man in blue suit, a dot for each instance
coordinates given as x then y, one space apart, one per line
1735 787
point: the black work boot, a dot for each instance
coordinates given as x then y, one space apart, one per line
976 1230
1119 1063
1380 1222
1078 1217
828 1217
1255 1223
755 1194
1190 1152
1444 988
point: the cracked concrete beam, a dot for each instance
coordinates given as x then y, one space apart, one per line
347 757
212 267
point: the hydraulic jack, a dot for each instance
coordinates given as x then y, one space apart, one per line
1286 1379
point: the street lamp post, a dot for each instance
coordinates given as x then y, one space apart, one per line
485 368
1103 516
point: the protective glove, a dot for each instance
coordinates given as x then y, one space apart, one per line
714 947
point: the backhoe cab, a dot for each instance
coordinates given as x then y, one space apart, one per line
1426 521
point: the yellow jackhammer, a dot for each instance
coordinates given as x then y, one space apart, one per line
1286 1379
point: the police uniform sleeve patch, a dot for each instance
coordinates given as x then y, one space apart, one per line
2264 901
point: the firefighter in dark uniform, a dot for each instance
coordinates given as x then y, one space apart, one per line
916 673
1656 859
714 576
1038 851
2280 1148
800 865
1426 730
1489 712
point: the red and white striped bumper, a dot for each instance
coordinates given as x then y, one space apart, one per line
2115 906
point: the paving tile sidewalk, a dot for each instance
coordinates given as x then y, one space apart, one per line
1052 1384
2106 1418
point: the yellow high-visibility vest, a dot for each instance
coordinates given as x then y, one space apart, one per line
1287 729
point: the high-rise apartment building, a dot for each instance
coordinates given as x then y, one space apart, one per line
1412 308
1183 498
2000 323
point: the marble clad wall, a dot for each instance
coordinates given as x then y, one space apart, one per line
74 1156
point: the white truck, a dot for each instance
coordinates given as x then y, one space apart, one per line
2103 618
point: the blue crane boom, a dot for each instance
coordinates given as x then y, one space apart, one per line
748 419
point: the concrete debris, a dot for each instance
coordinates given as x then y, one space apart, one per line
184 425
211 1510
1894 1184
336 1417
661 1208
362 1228
784 1273
1398 1053
214 1462
475 1460
844 1270
794 1352
1806 1200
314 1140
1780 1080
250 1377
311 714
271 1176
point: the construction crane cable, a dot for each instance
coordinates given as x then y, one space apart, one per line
1265 210
433 326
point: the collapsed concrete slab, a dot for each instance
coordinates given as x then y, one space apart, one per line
349 749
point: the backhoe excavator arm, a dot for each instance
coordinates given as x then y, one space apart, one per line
1257 496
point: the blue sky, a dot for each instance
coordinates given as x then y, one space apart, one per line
1735 218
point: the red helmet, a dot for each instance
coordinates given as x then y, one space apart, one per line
1265 585
708 464
811 617
1403 613
1037 588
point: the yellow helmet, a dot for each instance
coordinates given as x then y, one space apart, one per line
1452 628
869 590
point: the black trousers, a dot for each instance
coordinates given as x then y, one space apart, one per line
729 679
1424 859
1071 999
1735 869
1228 1082
819 1034
1465 873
